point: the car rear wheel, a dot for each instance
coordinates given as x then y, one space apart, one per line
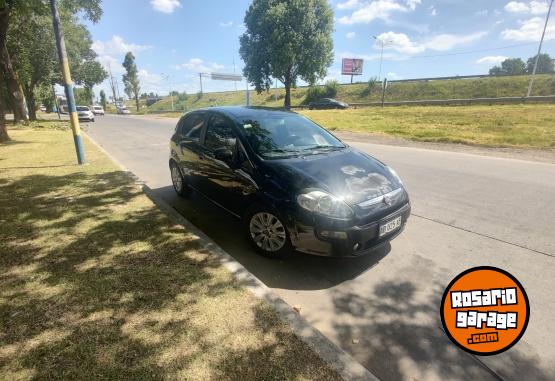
178 182
267 233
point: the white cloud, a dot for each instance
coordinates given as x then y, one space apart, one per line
433 11
378 9
117 46
226 24
492 60
401 43
349 4
149 80
198 65
534 7
351 35
393 76
165 6
530 30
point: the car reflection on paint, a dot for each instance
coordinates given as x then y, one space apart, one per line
294 185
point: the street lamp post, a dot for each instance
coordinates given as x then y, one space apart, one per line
382 43
167 78
539 51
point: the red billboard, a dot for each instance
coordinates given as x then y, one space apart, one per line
352 66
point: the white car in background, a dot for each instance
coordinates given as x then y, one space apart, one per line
97 110
85 114
123 110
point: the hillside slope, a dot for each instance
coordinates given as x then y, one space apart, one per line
358 93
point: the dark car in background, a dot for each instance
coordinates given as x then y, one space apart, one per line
294 185
326 104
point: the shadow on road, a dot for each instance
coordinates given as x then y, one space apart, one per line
300 272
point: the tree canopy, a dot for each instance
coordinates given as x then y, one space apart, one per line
287 40
131 78
545 64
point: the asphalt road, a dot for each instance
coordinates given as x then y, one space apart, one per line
468 210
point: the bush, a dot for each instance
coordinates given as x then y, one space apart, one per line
372 85
331 88
199 95
183 97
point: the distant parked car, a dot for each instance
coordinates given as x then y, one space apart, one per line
42 108
85 114
97 110
123 110
327 103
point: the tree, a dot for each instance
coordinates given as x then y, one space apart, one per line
131 78
287 40
9 9
511 66
545 64
103 99
91 73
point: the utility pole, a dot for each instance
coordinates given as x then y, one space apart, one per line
112 86
200 78
539 51
68 84
167 78
382 43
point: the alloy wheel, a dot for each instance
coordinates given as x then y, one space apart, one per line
267 232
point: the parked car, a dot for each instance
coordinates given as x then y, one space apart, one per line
85 114
42 108
97 110
294 185
327 103
123 110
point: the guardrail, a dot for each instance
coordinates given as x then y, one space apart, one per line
454 102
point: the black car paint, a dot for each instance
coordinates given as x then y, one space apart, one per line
325 104
248 179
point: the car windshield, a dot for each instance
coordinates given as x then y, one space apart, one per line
82 108
280 134
97 108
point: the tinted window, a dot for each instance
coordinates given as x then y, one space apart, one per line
191 126
220 134
82 108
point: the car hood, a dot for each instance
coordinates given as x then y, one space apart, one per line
348 174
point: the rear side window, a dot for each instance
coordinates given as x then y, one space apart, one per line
191 125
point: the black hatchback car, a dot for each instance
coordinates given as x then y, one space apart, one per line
294 185
326 104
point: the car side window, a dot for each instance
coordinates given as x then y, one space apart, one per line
220 134
191 126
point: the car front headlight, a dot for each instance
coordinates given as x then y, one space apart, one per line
320 202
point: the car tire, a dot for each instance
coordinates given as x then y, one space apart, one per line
92 120
178 182
267 233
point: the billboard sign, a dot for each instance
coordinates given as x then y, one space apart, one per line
352 66
226 77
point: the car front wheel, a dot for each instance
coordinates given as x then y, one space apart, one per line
267 233
178 182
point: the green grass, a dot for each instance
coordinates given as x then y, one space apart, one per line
97 283
490 87
522 126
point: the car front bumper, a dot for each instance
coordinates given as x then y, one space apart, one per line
314 238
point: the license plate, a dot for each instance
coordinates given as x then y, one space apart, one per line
390 226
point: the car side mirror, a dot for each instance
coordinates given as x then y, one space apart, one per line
223 154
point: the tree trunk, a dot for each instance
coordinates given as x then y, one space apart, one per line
14 87
287 102
31 102
137 102
4 137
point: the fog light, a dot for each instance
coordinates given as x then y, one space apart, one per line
356 246
334 235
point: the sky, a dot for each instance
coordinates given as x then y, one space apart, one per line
174 40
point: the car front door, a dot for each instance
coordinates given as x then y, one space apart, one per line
226 180
188 146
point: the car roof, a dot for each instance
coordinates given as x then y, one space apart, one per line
239 112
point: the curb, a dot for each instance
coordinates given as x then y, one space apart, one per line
340 361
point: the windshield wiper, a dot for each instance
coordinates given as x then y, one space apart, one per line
321 147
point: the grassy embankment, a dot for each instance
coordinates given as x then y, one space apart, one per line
359 93
522 126
96 282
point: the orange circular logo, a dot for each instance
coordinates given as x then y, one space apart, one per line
485 310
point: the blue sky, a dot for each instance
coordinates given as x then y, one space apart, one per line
175 39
